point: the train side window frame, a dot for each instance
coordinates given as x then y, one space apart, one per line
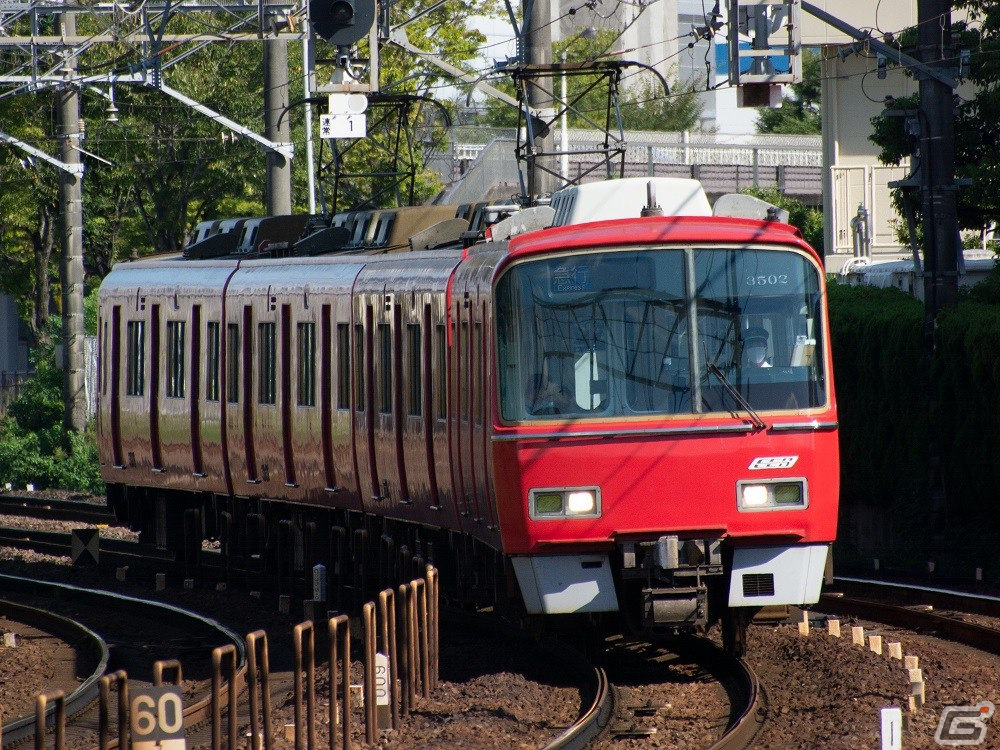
102 349
175 359
414 359
267 357
477 380
441 347
343 366
385 368
359 367
233 355
135 358
306 385
213 330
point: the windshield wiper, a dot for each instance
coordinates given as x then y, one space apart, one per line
733 391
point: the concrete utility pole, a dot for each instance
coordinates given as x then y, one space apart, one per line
937 163
539 49
71 200
278 193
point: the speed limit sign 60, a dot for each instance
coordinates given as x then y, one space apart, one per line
157 718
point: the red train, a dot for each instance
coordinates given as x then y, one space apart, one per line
632 415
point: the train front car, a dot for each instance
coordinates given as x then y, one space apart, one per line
665 399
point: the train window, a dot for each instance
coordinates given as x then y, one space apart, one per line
307 364
385 368
414 357
465 373
267 361
233 363
758 323
343 366
359 367
613 332
441 349
102 354
477 380
175 358
212 361
135 358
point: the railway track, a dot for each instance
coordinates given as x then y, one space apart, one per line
154 627
82 511
913 616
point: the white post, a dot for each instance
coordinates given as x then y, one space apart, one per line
892 728
563 125
310 168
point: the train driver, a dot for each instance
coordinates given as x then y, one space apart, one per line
543 397
755 347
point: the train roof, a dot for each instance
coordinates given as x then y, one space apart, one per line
659 229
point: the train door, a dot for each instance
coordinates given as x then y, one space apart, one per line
363 366
111 371
415 422
155 451
194 394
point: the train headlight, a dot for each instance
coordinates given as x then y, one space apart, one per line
772 494
580 503
565 502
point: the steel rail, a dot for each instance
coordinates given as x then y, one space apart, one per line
70 631
194 713
970 634
59 510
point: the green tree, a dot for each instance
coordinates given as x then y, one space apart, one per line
976 123
808 220
647 108
29 212
644 105
798 114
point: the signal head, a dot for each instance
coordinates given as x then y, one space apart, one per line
341 22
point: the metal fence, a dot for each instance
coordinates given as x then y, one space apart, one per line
724 163
10 387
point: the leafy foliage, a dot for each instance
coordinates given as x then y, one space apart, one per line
976 123
33 446
643 103
808 220
800 113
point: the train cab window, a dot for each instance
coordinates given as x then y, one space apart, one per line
307 364
212 361
414 358
385 368
758 321
343 366
233 363
175 358
267 361
135 358
658 331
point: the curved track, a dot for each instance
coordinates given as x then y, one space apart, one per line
87 644
970 634
213 631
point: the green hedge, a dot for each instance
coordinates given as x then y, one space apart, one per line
891 404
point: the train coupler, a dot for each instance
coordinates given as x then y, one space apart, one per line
675 607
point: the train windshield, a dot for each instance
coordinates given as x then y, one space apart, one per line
655 332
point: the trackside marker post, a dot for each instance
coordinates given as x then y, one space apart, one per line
875 644
833 626
895 650
892 728
858 635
